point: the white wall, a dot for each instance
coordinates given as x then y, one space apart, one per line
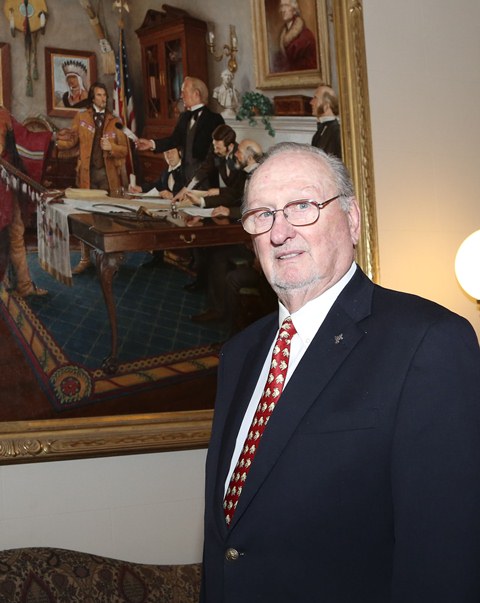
424 88
145 508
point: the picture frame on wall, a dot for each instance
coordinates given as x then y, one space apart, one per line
291 54
5 76
69 74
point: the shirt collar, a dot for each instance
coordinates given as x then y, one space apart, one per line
250 167
195 107
174 167
326 118
310 317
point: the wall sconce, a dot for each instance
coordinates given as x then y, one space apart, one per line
467 265
229 51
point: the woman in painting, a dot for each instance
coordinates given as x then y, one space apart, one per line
297 43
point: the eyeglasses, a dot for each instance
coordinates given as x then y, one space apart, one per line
301 212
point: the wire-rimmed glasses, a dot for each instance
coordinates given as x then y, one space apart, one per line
300 212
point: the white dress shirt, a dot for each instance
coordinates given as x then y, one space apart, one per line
307 321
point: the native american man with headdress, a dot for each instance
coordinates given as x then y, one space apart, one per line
75 76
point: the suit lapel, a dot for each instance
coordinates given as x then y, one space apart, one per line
336 338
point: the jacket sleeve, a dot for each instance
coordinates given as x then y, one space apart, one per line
229 196
435 467
175 140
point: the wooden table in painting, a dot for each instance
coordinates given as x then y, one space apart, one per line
112 235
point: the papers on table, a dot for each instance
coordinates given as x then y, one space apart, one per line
154 193
203 212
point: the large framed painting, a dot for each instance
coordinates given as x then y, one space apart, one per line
178 416
69 74
5 75
291 46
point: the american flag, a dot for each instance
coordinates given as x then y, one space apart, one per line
122 94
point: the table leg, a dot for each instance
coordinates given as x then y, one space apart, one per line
107 267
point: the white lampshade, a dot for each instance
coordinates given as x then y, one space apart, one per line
467 265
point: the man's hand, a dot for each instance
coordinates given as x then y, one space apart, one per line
212 192
134 188
143 144
221 212
106 143
166 194
180 195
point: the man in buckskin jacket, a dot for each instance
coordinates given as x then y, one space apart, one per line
102 150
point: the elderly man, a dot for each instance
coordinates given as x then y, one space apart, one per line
345 451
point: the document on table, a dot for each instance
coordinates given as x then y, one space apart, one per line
202 212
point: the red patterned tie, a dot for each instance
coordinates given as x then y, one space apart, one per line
270 397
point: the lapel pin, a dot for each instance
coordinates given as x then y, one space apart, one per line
338 338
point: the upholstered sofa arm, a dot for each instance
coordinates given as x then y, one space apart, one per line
50 575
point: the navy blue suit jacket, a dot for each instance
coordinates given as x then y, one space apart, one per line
366 484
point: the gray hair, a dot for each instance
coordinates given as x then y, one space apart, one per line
294 5
339 173
200 86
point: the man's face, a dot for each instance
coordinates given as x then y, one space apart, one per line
220 149
72 82
286 10
99 98
172 157
240 155
317 103
189 95
300 262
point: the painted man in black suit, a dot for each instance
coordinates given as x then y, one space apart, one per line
220 160
192 133
168 184
170 181
325 108
365 485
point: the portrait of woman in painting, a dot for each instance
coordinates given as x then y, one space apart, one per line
292 42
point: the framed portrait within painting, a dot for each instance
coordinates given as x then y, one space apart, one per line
69 74
291 48
5 76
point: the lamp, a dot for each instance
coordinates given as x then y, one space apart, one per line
467 265
229 51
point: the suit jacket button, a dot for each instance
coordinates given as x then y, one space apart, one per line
232 554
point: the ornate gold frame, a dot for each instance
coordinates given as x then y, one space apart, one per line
27 441
293 79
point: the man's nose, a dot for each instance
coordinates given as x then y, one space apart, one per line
281 229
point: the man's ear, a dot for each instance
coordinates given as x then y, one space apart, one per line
354 220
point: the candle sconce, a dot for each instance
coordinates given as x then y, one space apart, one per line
229 50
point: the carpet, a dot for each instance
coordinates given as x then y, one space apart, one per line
66 334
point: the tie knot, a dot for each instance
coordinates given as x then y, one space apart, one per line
98 117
